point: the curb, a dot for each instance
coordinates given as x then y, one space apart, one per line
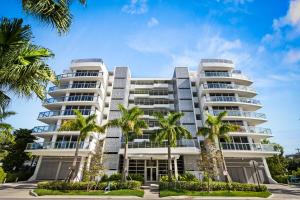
32 193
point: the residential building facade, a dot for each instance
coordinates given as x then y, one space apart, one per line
216 86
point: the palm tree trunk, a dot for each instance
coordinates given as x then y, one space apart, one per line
227 176
71 175
125 163
169 163
209 145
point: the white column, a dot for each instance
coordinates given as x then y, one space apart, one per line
79 175
176 168
271 180
37 168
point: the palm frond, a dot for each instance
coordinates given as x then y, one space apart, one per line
204 131
69 125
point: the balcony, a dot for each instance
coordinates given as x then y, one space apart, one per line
247 103
64 148
223 87
80 75
77 86
184 146
255 148
252 118
53 115
216 63
44 129
235 75
71 100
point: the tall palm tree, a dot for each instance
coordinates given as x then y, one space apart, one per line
23 70
85 126
131 124
170 130
215 129
53 12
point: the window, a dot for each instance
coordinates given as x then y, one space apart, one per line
198 117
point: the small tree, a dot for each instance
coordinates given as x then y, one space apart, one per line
85 126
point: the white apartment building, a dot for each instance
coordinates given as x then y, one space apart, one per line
88 86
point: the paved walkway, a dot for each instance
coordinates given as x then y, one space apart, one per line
20 191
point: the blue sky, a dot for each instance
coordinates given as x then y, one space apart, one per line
151 37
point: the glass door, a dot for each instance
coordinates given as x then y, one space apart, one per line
151 174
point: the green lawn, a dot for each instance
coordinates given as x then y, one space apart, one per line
165 193
125 192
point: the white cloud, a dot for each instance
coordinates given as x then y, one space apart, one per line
235 1
136 7
152 22
292 56
286 27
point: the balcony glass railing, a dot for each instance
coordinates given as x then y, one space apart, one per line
71 98
216 61
253 129
227 86
248 147
56 145
41 129
63 112
149 144
232 99
79 74
234 74
74 85
238 113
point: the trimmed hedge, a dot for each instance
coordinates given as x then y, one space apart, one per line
213 186
2 175
114 185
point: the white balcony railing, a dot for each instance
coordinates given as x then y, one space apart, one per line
56 145
227 86
232 99
71 98
257 147
238 113
54 113
74 85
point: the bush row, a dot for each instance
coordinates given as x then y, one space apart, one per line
114 185
213 186
118 177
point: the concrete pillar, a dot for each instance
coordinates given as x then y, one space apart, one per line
79 175
175 168
271 180
37 168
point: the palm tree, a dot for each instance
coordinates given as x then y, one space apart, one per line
53 12
5 126
23 70
131 125
6 137
214 130
85 126
170 130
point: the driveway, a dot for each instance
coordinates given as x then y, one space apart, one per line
284 191
16 190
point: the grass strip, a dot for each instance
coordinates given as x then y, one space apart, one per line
125 192
166 193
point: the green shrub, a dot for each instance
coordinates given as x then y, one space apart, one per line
187 177
114 185
104 178
166 179
214 186
20 176
281 178
2 175
136 177
115 177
